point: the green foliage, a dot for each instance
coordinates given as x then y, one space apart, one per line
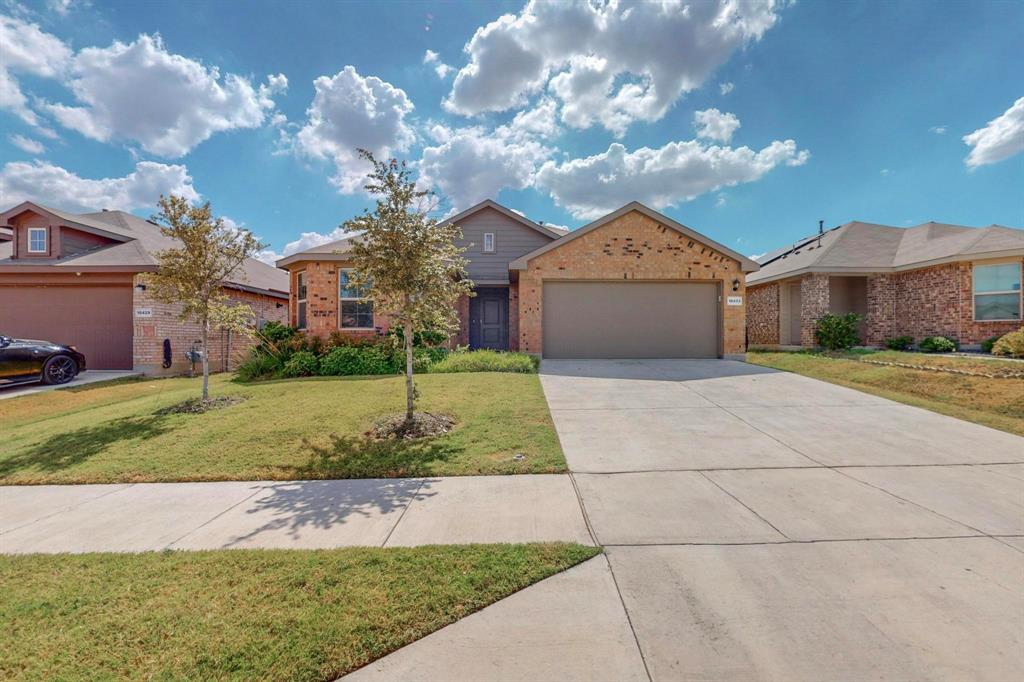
937 344
421 339
258 366
486 361
1010 345
899 343
301 364
987 344
275 332
838 332
359 360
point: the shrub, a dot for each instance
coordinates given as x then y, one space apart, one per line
1010 345
339 339
937 344
987 344
420 339
359 360
258 365
899 343
485 361
838 332
275 332
301 364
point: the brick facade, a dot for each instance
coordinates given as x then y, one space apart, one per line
932 301
631 247
226 349
763 315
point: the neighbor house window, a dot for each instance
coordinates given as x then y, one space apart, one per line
37 240
300 297
997 291
356 307
489 242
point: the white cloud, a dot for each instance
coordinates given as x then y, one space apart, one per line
306 240
1000 139
726 88
595 64
27 144
27 49
350 112
61 7
48 184
679 171
540 120
720 200
440 68
885 172
938 130
167 103
474 164
712 124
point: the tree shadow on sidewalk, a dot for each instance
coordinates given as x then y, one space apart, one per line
364 457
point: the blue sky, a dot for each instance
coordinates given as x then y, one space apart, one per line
747 121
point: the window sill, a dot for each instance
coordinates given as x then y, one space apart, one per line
357 329
1012 319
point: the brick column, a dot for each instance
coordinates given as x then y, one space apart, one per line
880 322
814 302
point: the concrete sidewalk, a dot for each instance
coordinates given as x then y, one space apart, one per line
299 515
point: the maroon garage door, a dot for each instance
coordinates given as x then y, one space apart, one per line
96 320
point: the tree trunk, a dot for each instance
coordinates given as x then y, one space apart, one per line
410 390
206 360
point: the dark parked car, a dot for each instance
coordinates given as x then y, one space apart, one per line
23 361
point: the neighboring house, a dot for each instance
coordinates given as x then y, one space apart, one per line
75 279
963 283
634 284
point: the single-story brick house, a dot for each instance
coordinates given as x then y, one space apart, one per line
934 279
75 279
633 284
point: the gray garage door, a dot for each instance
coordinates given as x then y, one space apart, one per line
630 320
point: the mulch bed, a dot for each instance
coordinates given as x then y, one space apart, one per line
199 406
424 425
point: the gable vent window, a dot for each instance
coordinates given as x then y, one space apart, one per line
997 292
488 242
37 240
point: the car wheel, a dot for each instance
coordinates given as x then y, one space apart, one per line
60 369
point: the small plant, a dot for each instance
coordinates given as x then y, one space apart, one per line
485 361
838 332
937 344
275 332
1010 345
301 364
899 343
987 344
258 365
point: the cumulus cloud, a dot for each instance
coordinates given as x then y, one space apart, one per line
541 120
726 88
48 184
712 124
139 92
440 68
306 240
27 49
474 164
679 171
589 56
1000 139
27 144
350 112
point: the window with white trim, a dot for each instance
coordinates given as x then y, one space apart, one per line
300 298
488 242
997 292
37 240
356 308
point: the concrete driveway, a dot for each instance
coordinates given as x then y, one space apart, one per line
91 376
763 525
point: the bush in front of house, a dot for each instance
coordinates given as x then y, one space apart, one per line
301 364
360 360
258 366
838 332
485 361
1010 345
899 343
987 344
937 344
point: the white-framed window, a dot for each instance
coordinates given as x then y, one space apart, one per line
488 242
37 239
997 292
300 299
355 308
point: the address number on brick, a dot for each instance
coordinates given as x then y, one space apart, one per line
734 300
143 312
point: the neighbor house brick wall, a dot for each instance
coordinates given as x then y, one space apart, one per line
632 246
322 301
763 314
814 300
226 349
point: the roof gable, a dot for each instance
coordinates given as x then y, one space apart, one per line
518 217
746 264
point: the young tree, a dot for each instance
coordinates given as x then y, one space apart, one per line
193 275
408 260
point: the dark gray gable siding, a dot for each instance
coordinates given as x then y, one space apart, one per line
511 240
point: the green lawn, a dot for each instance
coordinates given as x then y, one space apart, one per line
247 614
289 429
998 403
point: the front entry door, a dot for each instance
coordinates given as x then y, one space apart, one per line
488 319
